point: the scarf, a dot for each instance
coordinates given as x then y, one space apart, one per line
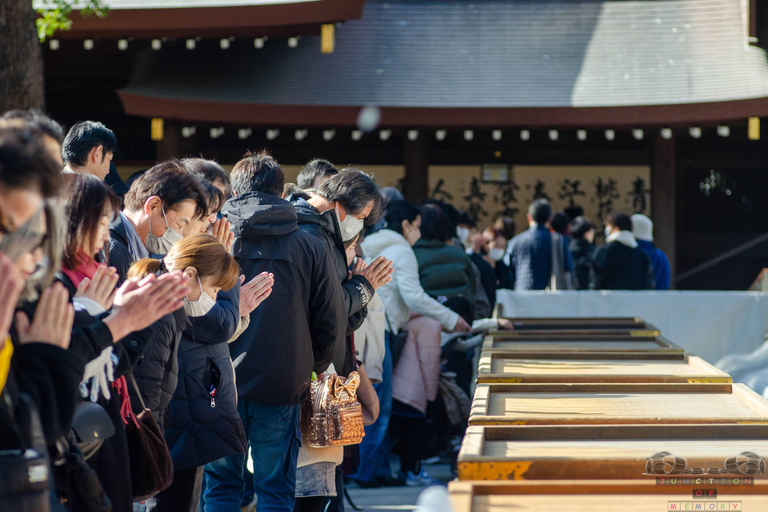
623 237
86 266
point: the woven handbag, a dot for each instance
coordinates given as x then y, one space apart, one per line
337 416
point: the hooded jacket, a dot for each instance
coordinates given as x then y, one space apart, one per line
203 430
301 327
357 291
621 265
659 262
404 293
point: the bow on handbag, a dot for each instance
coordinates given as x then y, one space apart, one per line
349 387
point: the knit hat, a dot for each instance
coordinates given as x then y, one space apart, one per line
642 227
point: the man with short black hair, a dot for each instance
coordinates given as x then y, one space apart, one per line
315 173
530 254
620 264
88 149
158 206
300 329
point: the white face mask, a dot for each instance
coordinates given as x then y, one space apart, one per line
496 254
162 245
607 231
349 227
201 306
463 234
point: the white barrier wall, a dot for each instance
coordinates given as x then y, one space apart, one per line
708 324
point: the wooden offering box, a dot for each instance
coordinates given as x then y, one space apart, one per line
584 404
576 452
498 367
570 326
584 347
597 496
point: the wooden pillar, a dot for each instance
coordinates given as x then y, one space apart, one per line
663 197
171 145
416 160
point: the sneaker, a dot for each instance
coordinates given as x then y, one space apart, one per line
421 480
428 480
412 480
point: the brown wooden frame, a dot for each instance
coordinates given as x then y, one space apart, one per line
666 350
480 414
707 374
475 464
463 493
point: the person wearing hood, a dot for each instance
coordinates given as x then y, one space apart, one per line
642 228
158 207
300 329
620 264
402 297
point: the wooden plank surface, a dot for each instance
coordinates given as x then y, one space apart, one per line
499 368
579 323
618 333
590 347
595 496
599 451
497 404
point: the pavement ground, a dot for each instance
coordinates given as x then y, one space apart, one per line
394 499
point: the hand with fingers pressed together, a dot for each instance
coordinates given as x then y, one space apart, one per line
222 231
101 289
378 273
10 289
53 320
255 292
139 304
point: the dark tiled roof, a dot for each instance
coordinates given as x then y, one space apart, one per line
483 53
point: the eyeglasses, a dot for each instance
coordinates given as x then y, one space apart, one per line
6 225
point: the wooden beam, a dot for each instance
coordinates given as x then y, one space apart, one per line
663 195
416 160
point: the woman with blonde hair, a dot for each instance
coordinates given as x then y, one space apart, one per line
204 423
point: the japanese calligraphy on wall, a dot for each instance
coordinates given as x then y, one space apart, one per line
593 190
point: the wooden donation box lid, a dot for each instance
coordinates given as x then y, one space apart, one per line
581 452
598 496
620 403
566 326
583 347
499 367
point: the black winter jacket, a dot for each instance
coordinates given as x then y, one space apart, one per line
618 267
301 327
157 372
357 290
583 254
50 376
203 430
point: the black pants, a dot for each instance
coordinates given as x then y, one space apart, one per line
182 496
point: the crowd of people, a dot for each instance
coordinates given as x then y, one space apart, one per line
158 340
559 253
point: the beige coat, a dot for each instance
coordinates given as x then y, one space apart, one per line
416 376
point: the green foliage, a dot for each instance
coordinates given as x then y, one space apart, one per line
56 14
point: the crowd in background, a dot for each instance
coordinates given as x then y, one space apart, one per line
157 339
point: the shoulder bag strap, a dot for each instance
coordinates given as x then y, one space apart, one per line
132 379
